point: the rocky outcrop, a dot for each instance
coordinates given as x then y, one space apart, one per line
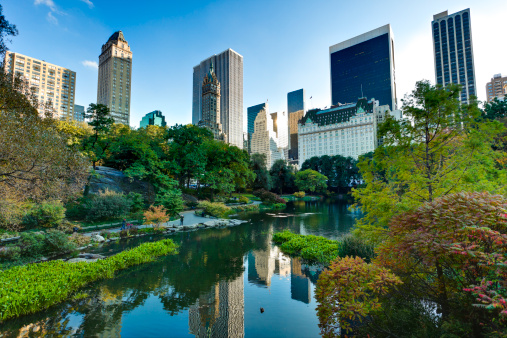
115 180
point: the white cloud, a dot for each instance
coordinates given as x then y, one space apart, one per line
90 64
52 19
88 2
48 3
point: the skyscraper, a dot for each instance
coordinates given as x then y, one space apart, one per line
264 139
52 84
364 67
294 119
155 118
210 115
228 67
454 56
497 87
251 113
115 74
296 101
79 112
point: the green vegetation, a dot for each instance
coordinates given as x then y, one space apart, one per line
268 197
339 170
299 194
35 287
216 209
321 249
311 181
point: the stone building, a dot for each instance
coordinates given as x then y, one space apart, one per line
264 140
115 75
210 115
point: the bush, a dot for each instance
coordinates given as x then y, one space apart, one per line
56 242
299 194
35 287
250 207
133 231
80 240
354 246
269 197
136 201
107 205
215 209
68 227
171 200
11 215
243 199
47 214
124 234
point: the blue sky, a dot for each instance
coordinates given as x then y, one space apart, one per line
285 44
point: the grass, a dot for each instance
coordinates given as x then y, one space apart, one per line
322 250
35 287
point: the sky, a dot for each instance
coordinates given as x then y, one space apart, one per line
284 44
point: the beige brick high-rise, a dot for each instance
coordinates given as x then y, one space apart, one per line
52 84
497 87
115 74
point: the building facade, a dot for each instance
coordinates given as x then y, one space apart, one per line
155 118
53 85
115 75
281 129
497 87
264 140
346 130
294 119
79 112
296 101
251 114
453 51
364 66
228 67
210 115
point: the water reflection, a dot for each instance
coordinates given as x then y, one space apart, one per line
214 287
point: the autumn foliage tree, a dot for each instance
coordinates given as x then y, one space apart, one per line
155 215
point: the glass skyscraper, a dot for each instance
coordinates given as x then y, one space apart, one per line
296 101
454 56
251 113
364 67
155 118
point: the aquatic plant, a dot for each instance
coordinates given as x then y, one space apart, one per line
35 287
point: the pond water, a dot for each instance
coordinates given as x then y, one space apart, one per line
214 287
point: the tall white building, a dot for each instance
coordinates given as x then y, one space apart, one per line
346 130
228 67
281 128
264 140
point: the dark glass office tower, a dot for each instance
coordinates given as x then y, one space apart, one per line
296 101
364 67
251 115
454 56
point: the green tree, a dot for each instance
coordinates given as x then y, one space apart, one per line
6 29
259 167
311 180
187 152
496 109
282 177
101 123
442 147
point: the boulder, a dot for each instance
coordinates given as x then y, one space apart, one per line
90 256
98 238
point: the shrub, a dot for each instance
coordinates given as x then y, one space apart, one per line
250 207
80 240
105 233
171 200
354 246
68 227
243 199
56 242
11 215
133 231
106 205
268 197
299 194
47 214
35 287
124 234
156 216
215 209
136 202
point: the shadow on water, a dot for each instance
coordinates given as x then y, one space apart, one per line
214 287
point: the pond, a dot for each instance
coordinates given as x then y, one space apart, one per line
214 287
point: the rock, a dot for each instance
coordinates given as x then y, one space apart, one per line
77 260
98 238
90 256
209 224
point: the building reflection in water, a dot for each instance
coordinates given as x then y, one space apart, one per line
300 286
219 312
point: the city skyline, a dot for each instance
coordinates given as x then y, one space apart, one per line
272 75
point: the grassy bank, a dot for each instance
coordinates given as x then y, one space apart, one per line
320 249
35 287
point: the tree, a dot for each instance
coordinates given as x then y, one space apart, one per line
186 152
155 216
101 123
341 171
282 177
446 148
6 29
35 161
311 180
496 109
259 167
